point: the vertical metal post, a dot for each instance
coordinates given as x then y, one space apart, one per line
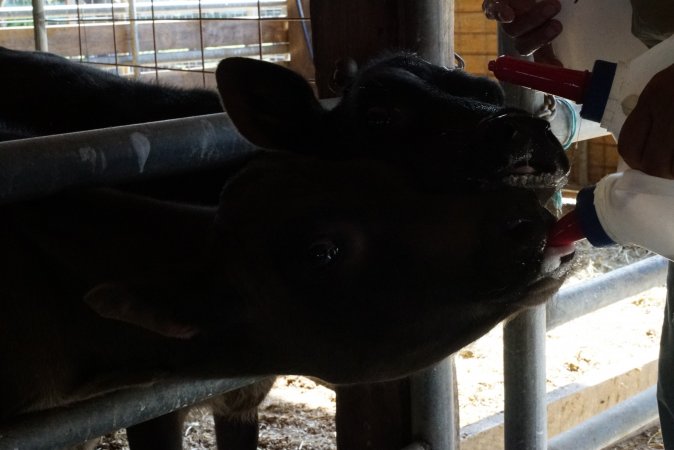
434 392
40 26
361 30
434 411
134 38
429 29
525 413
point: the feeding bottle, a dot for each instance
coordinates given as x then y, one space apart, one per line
630 207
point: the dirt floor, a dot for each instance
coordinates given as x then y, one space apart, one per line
299 414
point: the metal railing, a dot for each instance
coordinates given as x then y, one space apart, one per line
67 426
525 401
45 165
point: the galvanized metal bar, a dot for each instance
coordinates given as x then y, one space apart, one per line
166 57
588 296
525 411
40 26
63 427
46 165
614 424
665 388
133 21
435 417
428 28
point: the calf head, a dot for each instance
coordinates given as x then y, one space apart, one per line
389 232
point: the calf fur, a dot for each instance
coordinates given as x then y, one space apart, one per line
366 242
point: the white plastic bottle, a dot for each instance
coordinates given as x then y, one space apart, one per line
628 207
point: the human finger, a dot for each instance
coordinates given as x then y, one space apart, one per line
539 15
528 43
498 10
546 55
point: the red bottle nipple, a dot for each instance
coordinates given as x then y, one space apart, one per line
566 231
567 83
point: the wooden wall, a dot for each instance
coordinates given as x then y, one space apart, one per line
474 36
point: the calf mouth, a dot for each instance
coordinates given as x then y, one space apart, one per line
532 158
536 162
556 261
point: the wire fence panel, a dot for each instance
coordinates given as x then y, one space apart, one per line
171 41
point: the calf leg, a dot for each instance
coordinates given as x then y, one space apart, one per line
235 416
236 433
165 432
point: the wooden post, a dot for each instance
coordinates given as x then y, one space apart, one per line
378 416
364 29
374 416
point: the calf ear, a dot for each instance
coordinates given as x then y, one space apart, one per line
271 106
117 302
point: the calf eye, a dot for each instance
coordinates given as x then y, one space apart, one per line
378 117
323 253
383 117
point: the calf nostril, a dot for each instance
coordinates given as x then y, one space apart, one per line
520 229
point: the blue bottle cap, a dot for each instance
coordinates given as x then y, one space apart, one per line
596 94
589 221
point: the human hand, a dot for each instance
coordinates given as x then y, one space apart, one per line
646 141
529 23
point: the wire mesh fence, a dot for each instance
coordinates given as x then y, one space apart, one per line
166 41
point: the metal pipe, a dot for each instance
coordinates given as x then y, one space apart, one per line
40 26
614 424
133 22
588 296
46 165
64 427
525 411
435 417
166 57
428 29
